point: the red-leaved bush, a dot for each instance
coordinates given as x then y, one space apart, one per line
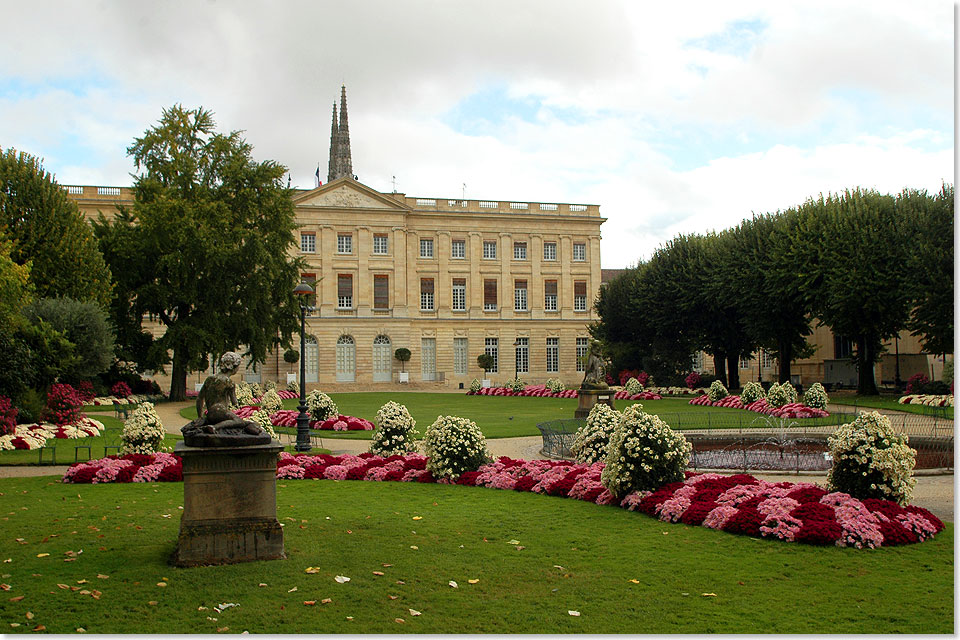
63 405
8 416
120 389
85 390
693 380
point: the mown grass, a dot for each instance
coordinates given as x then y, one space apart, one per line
624 572
890 403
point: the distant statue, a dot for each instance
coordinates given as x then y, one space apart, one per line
216 425
594 375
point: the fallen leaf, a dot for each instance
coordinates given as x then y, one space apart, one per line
161 584
153 603
29 615
262 584
401 582
378 573
201 608
413 612
342 579
474 580
63 586
82 581
310 602
14 624
327 600
387 564
221 629
556 566
414 547
312 570
665 532
348 531
634 581
399 620
393 597
348 617
291 590
7 587
16 599
211 619
740 582
102 577
81 630
511 541
42 555
39 627
575 614
453 584
417 518
709 595
520 548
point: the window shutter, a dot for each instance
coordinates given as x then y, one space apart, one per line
550 287
344 285
461 282
580 288
426 285
381 292
521 284
489 292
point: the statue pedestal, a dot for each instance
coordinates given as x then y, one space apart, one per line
229 505
589 397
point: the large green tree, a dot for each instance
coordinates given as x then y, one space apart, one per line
204 248
48 231
851 252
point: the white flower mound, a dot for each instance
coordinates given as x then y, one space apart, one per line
872 460
590 443
244 394
781 394
262 418
555 385
717 391
517 385
633 386
142 432
293 386
752 391
453 446
396 430
271 401
475 385
816 396
320 406
644 453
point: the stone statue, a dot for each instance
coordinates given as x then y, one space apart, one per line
216 425
594 376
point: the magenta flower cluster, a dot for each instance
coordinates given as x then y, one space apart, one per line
134 467
790 410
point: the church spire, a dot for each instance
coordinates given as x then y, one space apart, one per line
341 163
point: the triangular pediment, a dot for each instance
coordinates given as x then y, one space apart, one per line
345 193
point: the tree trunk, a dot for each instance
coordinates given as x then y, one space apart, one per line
720 367
866 383
178 377
733 368
785 352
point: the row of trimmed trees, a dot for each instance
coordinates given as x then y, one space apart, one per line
867 265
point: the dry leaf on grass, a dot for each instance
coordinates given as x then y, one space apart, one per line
16 599
418 517
413 612
312 570
291 590
399 620
393 597
327 600
378 573
309 603
575 614
342 579
453 584
474 580
709 595
634 581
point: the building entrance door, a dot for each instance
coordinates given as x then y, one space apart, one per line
382 360
346 359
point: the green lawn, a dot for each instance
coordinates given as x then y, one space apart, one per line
890 403
513 416
623 572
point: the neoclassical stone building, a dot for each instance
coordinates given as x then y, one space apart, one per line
446 278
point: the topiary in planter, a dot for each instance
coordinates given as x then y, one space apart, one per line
816 396
717 391
644 453
142 431
454 446
633 386
590 443
752 391
320 406
396 431
485 361
403 356
871 460
291 356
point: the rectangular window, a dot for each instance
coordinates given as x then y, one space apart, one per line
344 291
582 346
745 361
490 249
308 242
549 250
489 295
519 250
459 298
766 360
842 347
460 356
579 252
696 362
520 295
381 291
523 355
491 347
426 294
553 355
344 243
428 359
458 249
579 295
549 295
380 244
310 279
426 247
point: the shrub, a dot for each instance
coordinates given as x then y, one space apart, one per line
626 374
120 390
320 406
454 446
271 401
244 394
402 355
752 391
645 379
517 385
269 385
916 381
475 385
935 388
717 391
142 431
590 443
63 405
633 386
85 390
293 386
947 375
290 356
692 381
781 394
871 460
8 416
816 396
644 454
555 385
485 361
262 418
256 390
84 324
395 431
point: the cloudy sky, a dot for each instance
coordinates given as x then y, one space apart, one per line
673 117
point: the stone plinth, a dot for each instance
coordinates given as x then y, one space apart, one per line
229 505
589 397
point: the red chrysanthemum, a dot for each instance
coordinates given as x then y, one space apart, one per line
524 483
697 511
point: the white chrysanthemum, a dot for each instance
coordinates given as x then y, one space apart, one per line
475 385
816 396
142 431
644 453
453 446
555 385
271 401
590 443
752 391
320 406
633 386
262 418
872 460
244 394
717 391
395 431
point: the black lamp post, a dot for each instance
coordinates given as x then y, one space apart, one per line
303 420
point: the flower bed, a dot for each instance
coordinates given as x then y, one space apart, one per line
529 391
133 467
35 436
791 410
740 504
927 400
643 395
284 395
288 418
